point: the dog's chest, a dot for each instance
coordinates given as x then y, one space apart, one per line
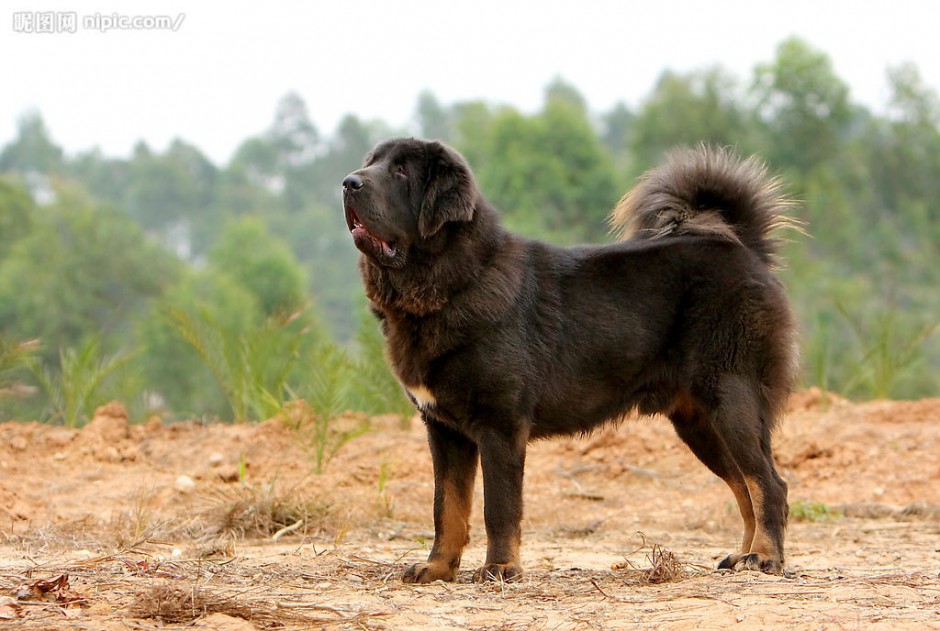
422 396
415 354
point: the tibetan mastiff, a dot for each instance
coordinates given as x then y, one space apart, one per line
500 340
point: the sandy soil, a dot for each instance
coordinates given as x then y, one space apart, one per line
156 526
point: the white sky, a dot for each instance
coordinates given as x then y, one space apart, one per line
216 80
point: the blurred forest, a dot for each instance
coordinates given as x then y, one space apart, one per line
196 289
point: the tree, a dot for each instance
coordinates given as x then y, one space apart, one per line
685 110
167 193
473 125
292 135
171 367
912 101
16 215
33 150
802 104
261 263
550 171
433 119
81 271
617 125
560 91
108 179
907 159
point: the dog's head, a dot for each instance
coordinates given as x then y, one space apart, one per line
408 195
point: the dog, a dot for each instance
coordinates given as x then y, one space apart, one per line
500 340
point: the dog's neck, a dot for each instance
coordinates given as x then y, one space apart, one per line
420 289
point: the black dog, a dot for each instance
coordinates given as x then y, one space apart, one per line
500 340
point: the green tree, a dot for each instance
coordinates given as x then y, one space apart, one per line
685 110
80 271
32 151
473 128
560 91
172 369
803 106
550 171
108 179
293 135
433 118
617 126
262 264
166 192
16 215
904 150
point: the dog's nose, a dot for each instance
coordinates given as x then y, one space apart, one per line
352 182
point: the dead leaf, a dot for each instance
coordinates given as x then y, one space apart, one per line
56 590
9 609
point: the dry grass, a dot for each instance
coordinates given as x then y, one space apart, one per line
289 588
259 511
665 567
173 603
224 518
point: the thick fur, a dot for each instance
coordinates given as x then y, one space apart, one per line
707 192
501 340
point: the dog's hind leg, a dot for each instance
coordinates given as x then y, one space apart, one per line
768 494
696 429
455 461
745 431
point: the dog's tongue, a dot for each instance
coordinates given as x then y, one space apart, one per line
360 234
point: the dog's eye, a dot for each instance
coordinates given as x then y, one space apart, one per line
401 171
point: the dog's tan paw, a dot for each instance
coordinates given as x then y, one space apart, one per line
428 573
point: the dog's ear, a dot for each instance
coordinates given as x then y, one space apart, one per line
450 193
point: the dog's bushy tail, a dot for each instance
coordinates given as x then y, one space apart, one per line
707 191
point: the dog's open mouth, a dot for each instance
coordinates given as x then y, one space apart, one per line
365 241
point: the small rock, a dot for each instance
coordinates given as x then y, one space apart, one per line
185 484
215 459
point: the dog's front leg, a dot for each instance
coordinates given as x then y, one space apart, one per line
455 463
502 457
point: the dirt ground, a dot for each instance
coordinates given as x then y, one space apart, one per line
164 526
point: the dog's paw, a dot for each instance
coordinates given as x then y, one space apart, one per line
507 572
428 573
753 561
